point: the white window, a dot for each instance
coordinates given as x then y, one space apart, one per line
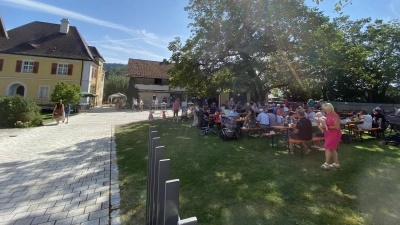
44 92
62 68
27 67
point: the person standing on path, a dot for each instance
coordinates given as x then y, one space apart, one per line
141 105
58 110
175 107
134 104
332 137
67 110
156 103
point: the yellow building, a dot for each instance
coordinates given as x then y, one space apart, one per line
37 55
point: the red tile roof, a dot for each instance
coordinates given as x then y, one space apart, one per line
44 39
147 69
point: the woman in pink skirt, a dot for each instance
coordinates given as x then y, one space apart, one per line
332 137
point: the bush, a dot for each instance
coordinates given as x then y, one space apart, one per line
16 111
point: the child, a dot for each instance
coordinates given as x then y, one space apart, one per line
164 117
217 116
67 111
150 115
321 121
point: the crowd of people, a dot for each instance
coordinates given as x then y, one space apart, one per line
300 117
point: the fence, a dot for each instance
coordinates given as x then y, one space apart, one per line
162 203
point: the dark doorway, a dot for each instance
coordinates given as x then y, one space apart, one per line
237 96
20 90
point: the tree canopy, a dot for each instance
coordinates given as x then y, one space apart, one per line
67 93
258 46
242 46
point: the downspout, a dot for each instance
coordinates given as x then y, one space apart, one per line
81 75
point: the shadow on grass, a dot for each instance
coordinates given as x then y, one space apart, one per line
247 182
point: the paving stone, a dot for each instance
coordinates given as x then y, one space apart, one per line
92 208
21 209
80 218
66 221
76 212
7 211
39 212
71 206
40 219
91 222
26 221
104 220
48 223
58 216
56 209
98 214
102 199
19 216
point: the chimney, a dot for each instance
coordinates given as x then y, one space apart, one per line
64 28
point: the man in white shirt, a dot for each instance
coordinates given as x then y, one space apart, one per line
134 104
263 120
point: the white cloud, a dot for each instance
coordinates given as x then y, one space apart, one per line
119 50
395 6
139 44
149 38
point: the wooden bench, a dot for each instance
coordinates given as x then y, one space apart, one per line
296 141
269 136
249 129
358 133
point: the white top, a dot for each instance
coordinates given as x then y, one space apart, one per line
367 122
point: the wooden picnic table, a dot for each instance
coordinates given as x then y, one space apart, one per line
285 131
248 130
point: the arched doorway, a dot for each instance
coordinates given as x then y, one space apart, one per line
20 90
16 88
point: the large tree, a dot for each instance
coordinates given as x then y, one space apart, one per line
370 59
240 46
67 93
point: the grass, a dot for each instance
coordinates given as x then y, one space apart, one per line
247 182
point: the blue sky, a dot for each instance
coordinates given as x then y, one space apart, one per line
141 29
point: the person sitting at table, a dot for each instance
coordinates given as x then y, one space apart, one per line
263 120
255 107
206 110
302 131
213 108
311 113
311 103
367 120
379 121
273 120
234 112
250 119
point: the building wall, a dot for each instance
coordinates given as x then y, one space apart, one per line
138 80
10 79
96 81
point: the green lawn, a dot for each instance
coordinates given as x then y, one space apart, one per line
247 182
